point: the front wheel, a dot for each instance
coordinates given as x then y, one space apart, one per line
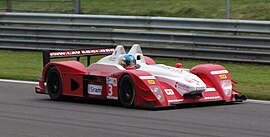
126 91
54 84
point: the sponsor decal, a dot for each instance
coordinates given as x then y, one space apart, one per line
181 86
194 81
96 51
112 58
219 72
94 89
112 97
175 100
152 82
163 67
176 70
212 98
172 69
222 76
169 91
200 88
111 81
210 89
80 52
147 77
115 52
65 53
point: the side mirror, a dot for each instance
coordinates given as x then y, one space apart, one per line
178 65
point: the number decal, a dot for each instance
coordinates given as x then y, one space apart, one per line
110 90
112 84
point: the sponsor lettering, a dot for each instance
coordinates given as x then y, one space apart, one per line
147 77
169 91
96 51
164 67
89 51
181 86
176 70
200 88
80 52
210 89
115 52
219 72
112 58
176 100
112 97
212 98
94 89
194 81
65 53
111 81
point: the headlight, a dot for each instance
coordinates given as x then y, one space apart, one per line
158 93
226 86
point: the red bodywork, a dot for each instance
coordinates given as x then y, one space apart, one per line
76 80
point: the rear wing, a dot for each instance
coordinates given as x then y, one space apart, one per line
47 55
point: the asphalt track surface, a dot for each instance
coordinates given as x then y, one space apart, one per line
25 114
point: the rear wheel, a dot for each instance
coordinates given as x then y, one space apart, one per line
54 84
126 91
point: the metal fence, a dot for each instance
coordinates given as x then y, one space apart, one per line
229 40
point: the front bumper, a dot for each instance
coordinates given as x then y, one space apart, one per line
39 90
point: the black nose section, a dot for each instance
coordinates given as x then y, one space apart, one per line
240 98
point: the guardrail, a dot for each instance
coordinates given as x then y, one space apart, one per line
173 37
236 26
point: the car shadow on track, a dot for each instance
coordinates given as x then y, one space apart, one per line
78 100
113 103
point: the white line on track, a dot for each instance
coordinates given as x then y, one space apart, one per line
18 81
258 101
35 83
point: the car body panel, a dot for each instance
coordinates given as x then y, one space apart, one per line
156 85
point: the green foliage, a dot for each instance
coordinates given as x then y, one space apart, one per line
20 64
240 9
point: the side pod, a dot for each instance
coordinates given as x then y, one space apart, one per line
216 76
71 73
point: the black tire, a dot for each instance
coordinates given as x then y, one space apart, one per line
126 91
54 84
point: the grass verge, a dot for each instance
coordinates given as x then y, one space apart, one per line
252 78
240 9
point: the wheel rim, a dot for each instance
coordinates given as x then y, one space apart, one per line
54 84
126 92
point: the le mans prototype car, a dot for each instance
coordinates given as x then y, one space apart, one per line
147 84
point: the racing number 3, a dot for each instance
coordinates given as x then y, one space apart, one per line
110 93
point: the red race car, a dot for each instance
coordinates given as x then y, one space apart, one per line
134 79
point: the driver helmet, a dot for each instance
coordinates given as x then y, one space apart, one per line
128 61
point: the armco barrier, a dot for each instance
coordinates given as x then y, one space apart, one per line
229 40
